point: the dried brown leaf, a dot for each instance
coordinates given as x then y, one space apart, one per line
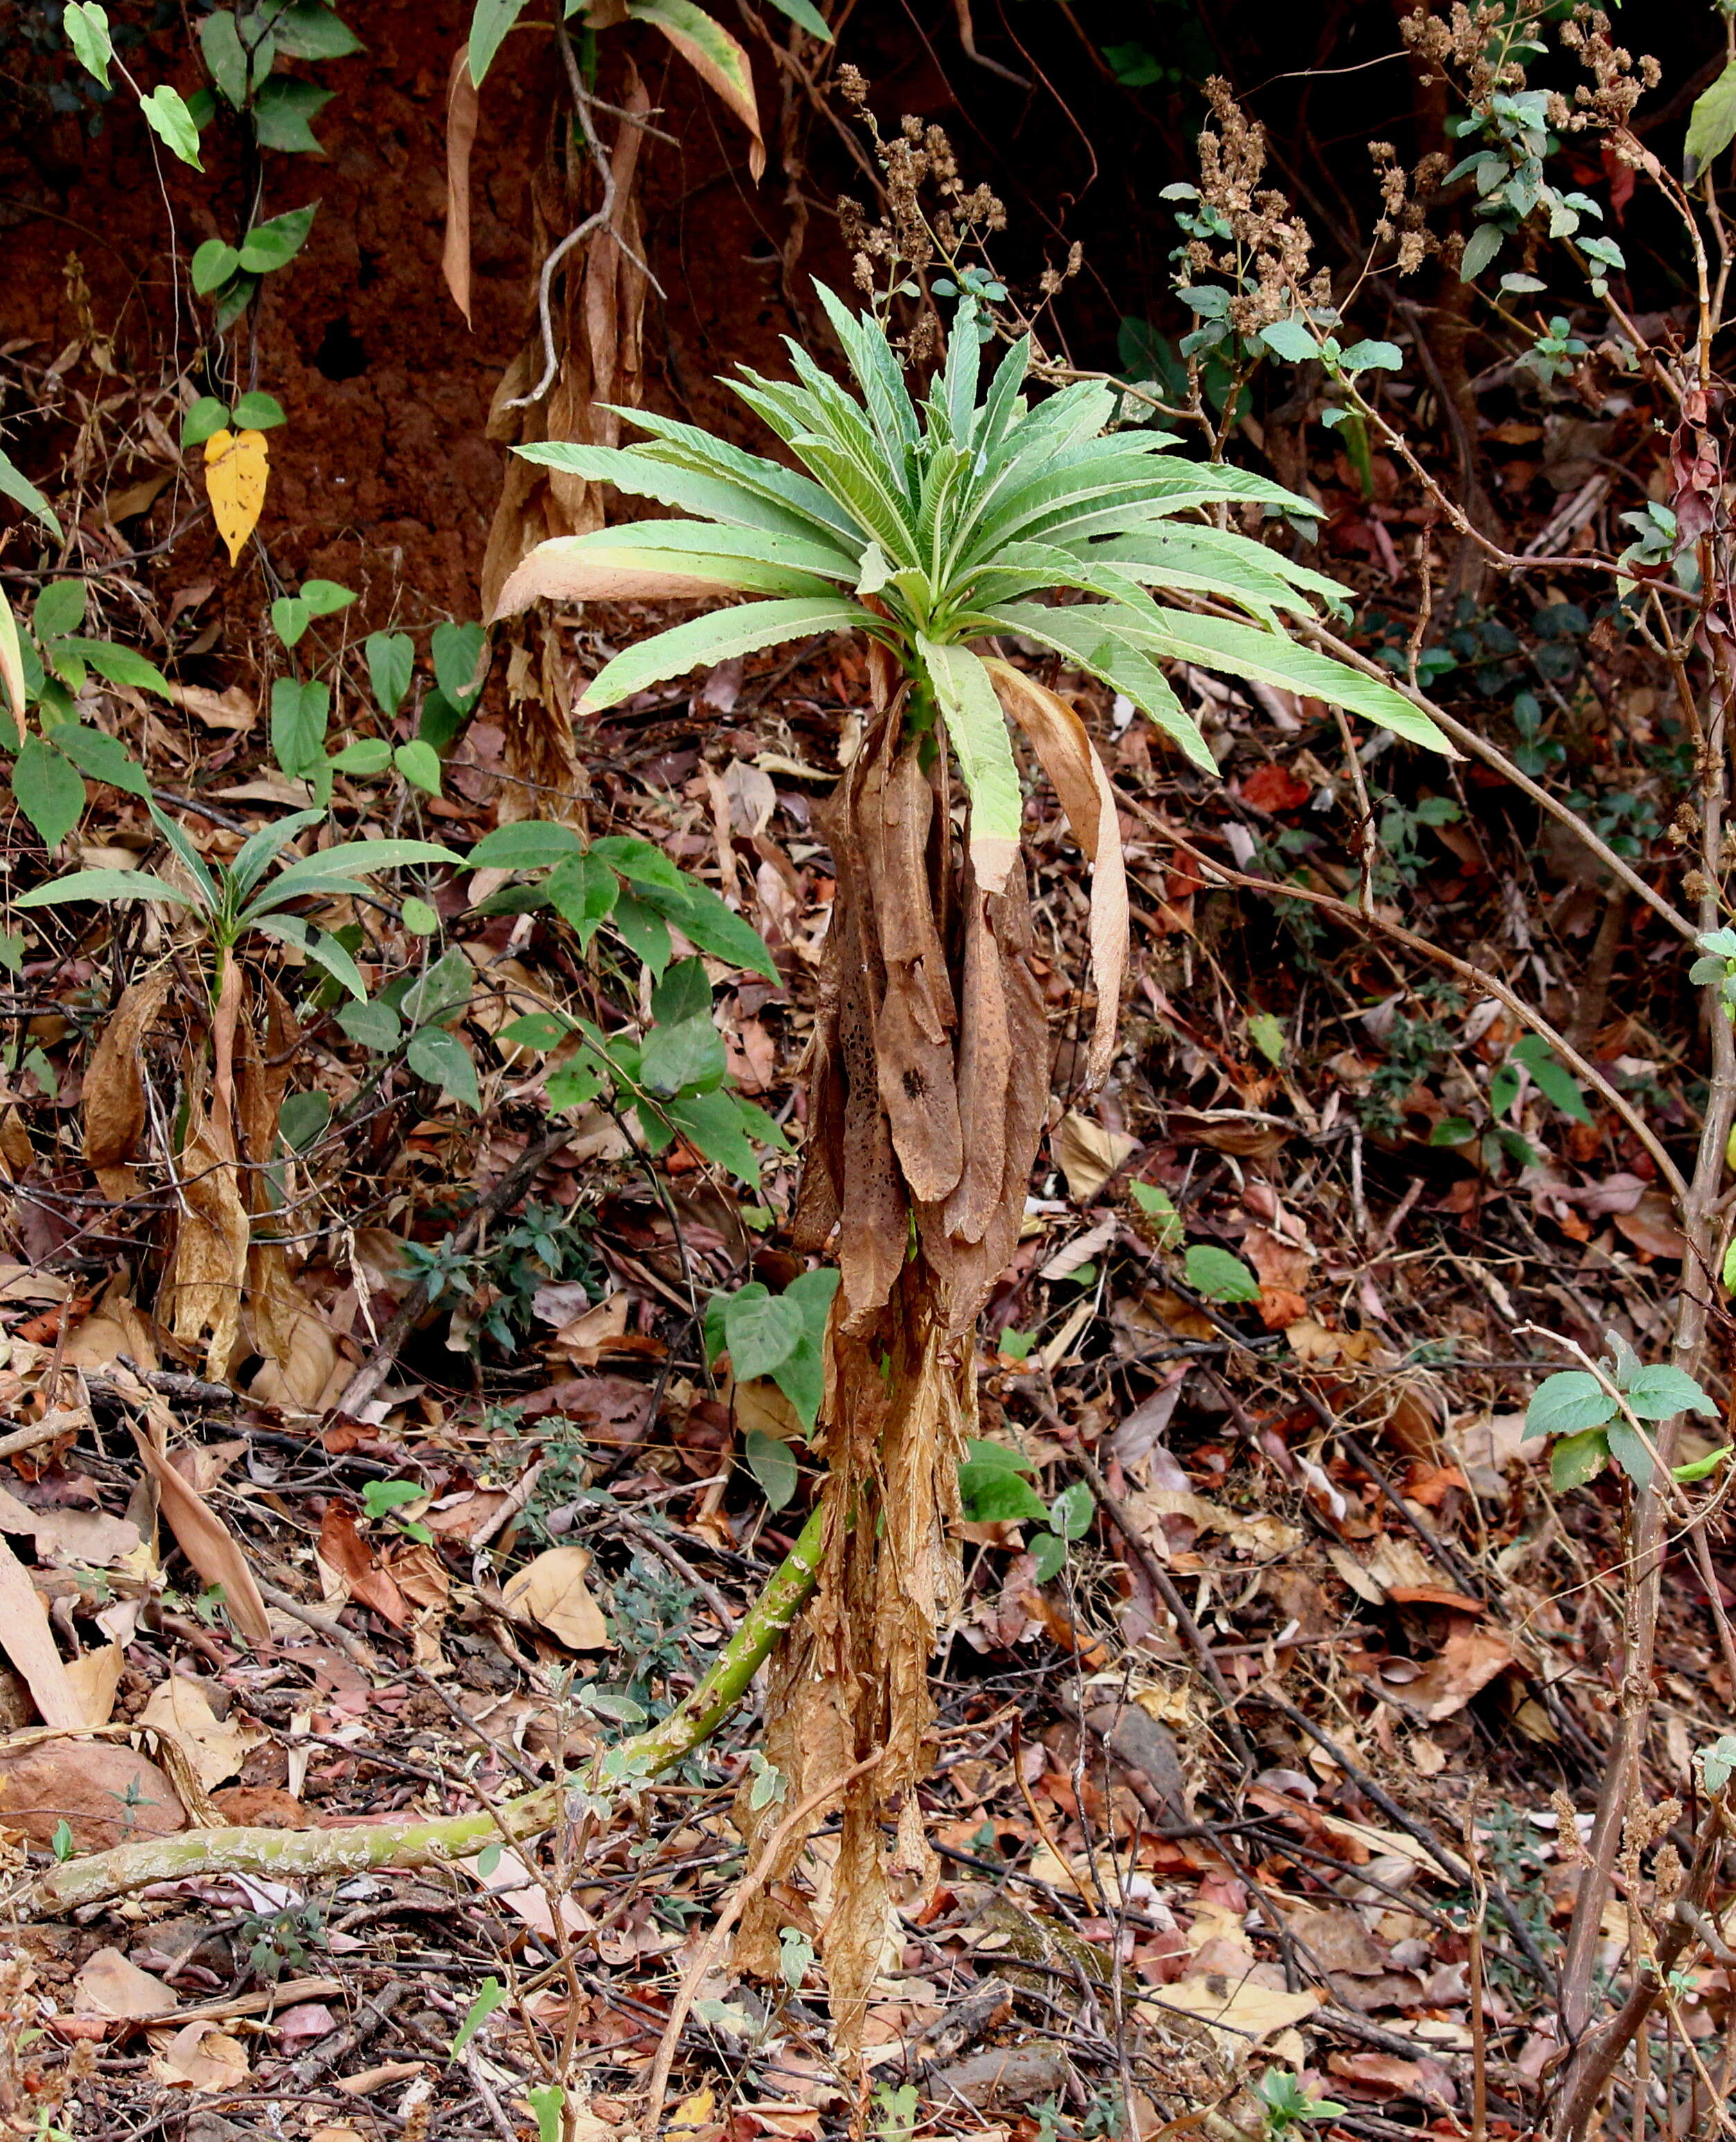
204 1539
29 1644
985 1061
108 1985
68 1534
343 1551
228 709
874 1211
551 1591
1245 2010
209 1268
1469 1661
201 2057
1070 759
116 1326
918 1089
95 1679
114 1091
463 106
1087 1154
561 570
918 1092
218 1746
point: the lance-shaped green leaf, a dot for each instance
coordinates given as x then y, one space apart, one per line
706 641
490 21
977 730
255 853
1214 562
677 444
319 946
1268 658
348 859
15 485
105 886
643 472
1089 633
204 884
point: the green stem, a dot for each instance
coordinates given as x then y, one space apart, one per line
302 1855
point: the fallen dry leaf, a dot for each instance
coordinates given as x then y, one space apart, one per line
108 1985
201 2057
113 1090
90 1537
304 1372
366 2080
550 1590
1245 2010
310 2020
758 1405
1652 1227
592 1334
114 1327
1426 2081
1087 1155
95 1679
218 1746
1080 1250
512 1884
343 1551
463 108
1337 1940
230 708
30 1645
204 1539
1469 1660
1436 1594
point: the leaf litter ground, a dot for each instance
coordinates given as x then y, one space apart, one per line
1315 1688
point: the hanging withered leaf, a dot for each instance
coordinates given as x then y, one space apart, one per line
237 466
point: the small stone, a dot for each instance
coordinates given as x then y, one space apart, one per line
105 1794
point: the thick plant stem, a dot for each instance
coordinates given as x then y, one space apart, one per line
304 1853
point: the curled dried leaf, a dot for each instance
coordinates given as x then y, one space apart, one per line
203 1536
462 110
209 1267
1069 757
114 1087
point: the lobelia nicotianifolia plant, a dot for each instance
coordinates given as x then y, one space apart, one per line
933 529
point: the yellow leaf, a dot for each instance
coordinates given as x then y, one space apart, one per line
12 663
693 2112
236 467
